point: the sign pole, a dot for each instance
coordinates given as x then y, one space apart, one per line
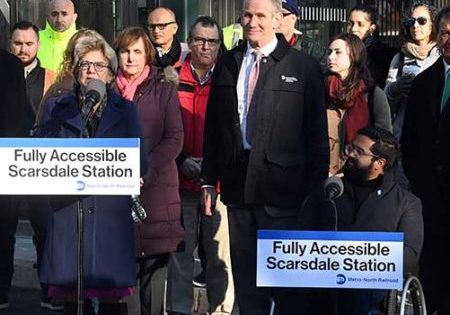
80 227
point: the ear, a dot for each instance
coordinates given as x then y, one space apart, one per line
380 164
75 17
276 20
175 28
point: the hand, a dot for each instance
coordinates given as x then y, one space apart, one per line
190 168
402 86
208 200
405 82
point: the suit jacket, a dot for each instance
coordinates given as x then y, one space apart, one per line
425 146
13 97
290 152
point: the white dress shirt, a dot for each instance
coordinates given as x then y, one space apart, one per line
242 84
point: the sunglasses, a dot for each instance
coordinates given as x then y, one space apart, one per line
411 21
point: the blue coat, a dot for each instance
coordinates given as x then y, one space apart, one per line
108 231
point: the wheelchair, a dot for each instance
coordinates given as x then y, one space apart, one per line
408 301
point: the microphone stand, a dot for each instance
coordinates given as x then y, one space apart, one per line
80 230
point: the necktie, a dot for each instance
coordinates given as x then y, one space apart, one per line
251 108
446 93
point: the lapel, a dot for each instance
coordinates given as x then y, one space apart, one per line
66 111
373 199
113 112
436 83
238 56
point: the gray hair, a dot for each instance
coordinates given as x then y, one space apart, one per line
90 44
275 3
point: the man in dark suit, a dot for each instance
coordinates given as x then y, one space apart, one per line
13 106
426 149
266 142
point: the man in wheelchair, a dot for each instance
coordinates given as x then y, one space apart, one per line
371 201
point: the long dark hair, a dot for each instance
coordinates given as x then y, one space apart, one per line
358 65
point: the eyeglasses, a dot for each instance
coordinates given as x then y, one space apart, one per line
98 66
160 26
200 41
355 151
411 21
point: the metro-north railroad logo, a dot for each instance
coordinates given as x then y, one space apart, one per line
80 185
340 279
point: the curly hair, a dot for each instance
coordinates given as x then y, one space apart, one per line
405 33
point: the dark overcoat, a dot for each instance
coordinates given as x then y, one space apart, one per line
159 112
290 152
108 231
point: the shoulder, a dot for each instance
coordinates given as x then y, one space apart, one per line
436 70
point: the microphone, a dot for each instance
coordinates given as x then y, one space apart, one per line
95 91
333 187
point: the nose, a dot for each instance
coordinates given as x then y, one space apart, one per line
91 68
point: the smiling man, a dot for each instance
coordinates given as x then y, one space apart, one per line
58 30
266 143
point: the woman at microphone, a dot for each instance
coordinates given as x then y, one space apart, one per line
90 110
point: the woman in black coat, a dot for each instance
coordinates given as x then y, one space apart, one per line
362 22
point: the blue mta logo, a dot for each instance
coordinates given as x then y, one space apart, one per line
340 279
80 185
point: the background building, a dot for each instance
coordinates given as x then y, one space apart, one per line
319 19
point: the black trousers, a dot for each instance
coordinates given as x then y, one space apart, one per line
152 275
244 221
38 214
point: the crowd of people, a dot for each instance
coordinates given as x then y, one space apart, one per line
237 134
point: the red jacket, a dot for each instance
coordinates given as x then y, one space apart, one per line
193 98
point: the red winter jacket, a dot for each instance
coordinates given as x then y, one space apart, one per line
193 98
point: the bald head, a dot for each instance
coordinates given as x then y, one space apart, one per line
161 13
162 27
61 14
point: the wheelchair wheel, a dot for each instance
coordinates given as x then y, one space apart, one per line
409 301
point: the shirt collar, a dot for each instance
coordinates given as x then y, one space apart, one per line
266 50
197 77
32 67
446 67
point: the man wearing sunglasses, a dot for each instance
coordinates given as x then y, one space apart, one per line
162 29
371 201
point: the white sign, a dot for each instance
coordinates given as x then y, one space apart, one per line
324 259
69 166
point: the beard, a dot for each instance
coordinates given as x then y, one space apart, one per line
356 173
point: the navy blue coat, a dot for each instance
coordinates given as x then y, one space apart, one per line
108 231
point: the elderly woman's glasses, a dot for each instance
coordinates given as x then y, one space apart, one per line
355 151
161 26
98 66
411 21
